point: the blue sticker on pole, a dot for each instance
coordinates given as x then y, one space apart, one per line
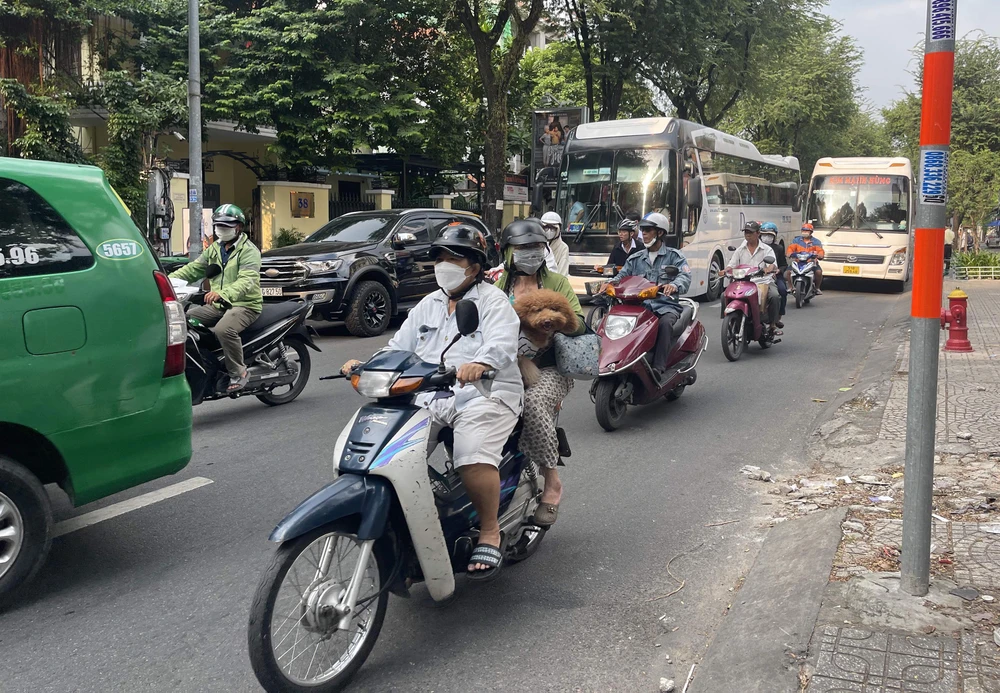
193 195
941 20
933 176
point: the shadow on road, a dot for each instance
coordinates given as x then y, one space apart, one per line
861 286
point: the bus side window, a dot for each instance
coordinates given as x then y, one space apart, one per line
733 195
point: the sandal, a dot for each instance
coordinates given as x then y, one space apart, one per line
487 555
237 384
546 514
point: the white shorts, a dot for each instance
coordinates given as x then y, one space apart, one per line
482 428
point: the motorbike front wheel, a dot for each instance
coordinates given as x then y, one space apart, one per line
298 358
732 342
293 636
610 410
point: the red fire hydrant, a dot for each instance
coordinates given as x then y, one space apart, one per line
956 320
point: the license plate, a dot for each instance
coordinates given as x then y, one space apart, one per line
852 269
270 290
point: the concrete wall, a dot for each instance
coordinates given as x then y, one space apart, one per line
276 209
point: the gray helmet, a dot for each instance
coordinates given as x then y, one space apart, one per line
464 240
522 232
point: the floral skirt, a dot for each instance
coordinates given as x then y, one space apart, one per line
538 433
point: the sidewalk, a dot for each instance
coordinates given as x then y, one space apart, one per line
868 636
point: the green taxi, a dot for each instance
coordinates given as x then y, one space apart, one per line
92 389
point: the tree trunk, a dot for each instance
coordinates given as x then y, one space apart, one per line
495 157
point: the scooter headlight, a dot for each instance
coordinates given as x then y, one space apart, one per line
618 326
374 383
739 274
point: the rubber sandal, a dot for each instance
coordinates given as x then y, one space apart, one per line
778 333
237 384
546 514
780 324
486 554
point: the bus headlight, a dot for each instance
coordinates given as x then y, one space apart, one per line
618 326
898 257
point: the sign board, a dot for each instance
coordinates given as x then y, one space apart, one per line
303 204
550 130
515 188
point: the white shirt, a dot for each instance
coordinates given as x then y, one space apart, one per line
428 329
560 253
762 257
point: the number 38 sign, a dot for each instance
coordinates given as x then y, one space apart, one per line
303 204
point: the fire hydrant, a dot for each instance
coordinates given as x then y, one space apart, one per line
955 319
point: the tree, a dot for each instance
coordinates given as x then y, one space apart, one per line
45 117
497 58
974 186
704 55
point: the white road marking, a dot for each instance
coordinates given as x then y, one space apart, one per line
92 518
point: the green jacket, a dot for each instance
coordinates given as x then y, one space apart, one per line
555 282
239 282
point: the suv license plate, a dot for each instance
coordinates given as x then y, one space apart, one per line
852 269
270 290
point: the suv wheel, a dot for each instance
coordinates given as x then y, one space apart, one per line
371 307
25 526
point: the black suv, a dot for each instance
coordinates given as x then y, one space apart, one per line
363 267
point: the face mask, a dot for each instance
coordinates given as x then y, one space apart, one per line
551 232
449 276
529 259
225 233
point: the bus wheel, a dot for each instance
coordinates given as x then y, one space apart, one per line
714 280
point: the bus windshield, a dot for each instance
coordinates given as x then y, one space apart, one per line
598 189
875 202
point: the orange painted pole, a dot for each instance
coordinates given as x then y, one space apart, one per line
925 310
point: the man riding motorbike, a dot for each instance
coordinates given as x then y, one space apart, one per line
627 244
650 263
238 284
806 243
482 423
754 253
552 227
768 236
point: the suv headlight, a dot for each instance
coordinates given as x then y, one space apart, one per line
323 266
618 326
898 257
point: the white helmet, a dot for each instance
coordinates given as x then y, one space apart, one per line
655 219
550 219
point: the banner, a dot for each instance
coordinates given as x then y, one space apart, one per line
550 129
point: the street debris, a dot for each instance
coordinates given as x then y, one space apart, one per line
691 673
967 593
880 499
680 583
755 473
719 524
853 526
963 435
667 685
846 389
820 400
987 598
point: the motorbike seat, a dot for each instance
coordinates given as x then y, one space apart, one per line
683 321
272 314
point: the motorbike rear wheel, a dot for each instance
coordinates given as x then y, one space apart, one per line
299 354
732 343
610 410
295 600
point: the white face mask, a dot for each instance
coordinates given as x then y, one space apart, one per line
551 232
449 276
226 233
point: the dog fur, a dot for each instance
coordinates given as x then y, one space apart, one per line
542 313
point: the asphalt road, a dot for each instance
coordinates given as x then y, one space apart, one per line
157 599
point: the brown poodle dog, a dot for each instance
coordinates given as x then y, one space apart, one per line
542 313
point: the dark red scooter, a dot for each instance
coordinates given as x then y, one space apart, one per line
628 336
742 320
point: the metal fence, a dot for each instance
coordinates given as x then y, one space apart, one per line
340 207
976 272
412 203
466 204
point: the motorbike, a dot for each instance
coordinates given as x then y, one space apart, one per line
742 318
628 337
275 349
600 301
803 277
378 528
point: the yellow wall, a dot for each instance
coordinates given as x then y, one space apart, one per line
276 209
179 196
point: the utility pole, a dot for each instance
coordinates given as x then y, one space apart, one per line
925 310
194 130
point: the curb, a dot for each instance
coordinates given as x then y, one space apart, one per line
765 637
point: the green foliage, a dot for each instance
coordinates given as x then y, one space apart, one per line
978 258
47 132
285 237
974 185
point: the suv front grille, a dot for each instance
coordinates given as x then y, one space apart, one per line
282 271
855 259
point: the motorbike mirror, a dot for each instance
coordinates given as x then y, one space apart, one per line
670 272
467 317
213 271
732 248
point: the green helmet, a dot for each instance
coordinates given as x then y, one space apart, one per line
228 215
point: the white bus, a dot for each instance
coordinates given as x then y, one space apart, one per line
706 182
862 211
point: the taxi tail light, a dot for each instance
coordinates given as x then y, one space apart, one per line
173 362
